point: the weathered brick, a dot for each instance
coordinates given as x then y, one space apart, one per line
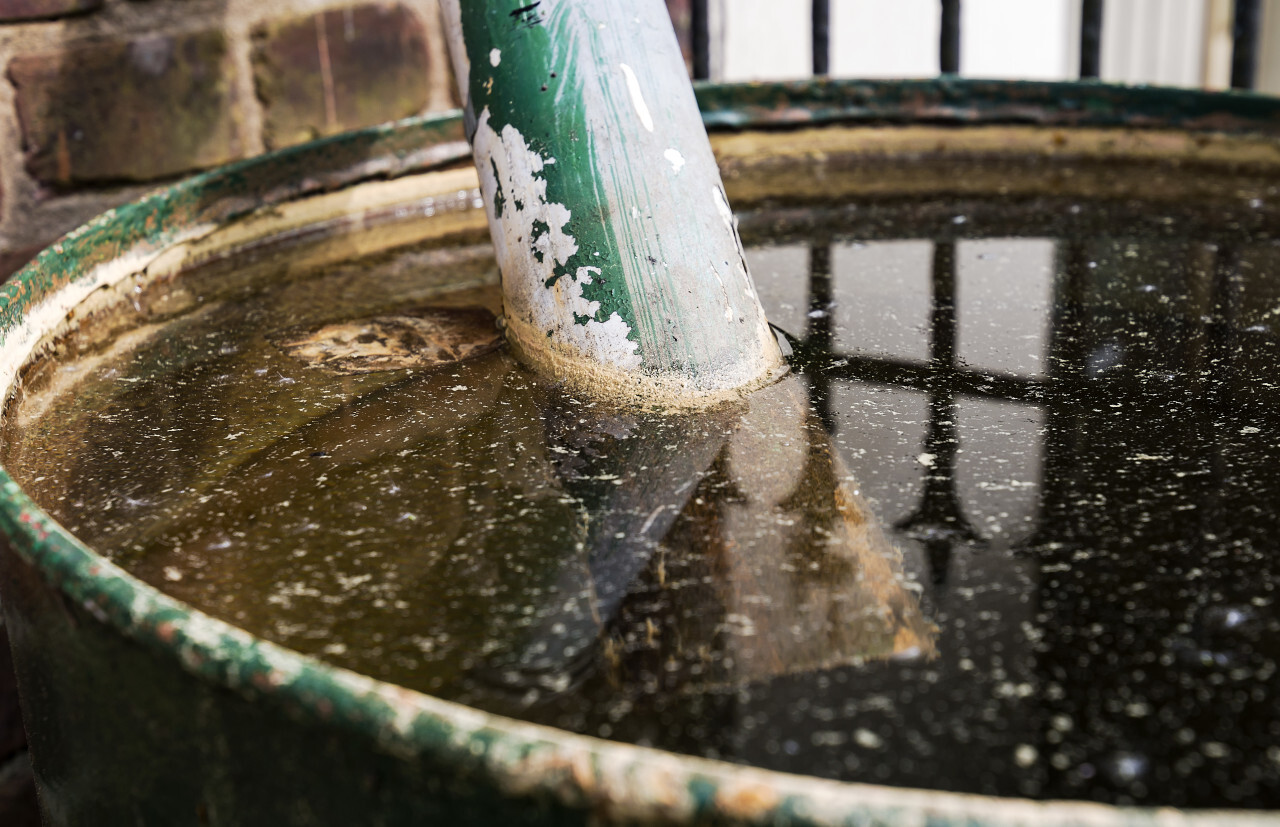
127 110
339 70
11 10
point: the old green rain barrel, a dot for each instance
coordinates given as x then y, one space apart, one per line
142 710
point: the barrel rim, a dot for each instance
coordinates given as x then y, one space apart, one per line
523 759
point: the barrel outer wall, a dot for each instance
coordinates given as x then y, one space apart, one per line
120 736
142 711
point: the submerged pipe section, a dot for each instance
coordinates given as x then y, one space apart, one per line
622 270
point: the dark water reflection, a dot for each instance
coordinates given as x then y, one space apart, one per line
1009 528
1093 508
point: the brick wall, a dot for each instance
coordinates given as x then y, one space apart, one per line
103 99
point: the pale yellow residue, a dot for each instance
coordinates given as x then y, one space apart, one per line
634 388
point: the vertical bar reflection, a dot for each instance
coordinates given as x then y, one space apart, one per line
1065 365
939 521
819 334
942 321
1223 349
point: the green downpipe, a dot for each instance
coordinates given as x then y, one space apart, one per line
621 264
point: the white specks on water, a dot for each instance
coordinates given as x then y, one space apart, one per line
998 613
1106 356
867 739
495 57
637 99
1125 767
1009 689
829 738
652 516
675 158
1215 749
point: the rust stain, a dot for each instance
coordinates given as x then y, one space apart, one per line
747 802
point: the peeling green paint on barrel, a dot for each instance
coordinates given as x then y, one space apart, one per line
152 713
620 257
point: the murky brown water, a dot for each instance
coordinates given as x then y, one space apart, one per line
1009 527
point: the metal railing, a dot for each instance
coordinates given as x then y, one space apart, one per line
1244 38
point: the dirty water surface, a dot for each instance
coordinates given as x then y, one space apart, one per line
1008 527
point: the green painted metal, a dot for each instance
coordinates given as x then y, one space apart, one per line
621 264
144 711
955 100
